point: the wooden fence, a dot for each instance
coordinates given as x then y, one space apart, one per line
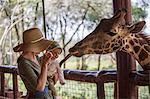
139 78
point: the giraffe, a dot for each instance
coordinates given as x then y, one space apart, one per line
113 35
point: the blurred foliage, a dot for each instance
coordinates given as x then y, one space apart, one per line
64 18
138 13
139 10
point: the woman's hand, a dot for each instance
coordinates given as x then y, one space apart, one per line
55 54
47 58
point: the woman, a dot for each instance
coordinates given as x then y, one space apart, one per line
33 73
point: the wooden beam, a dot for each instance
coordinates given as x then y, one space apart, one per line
125 63
15 86
100 90
2 80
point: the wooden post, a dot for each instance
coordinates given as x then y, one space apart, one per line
2 80
15 86
115 90
100 90
125 63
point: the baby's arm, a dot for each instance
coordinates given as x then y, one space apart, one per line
60 74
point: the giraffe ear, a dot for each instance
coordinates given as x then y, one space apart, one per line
137 27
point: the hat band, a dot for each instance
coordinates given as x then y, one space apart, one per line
37 40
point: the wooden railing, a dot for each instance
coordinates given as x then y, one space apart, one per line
12 70
140 78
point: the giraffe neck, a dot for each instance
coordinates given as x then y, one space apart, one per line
137 47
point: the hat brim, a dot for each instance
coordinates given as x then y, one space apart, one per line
33 47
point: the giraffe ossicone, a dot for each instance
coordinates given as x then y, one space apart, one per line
113 35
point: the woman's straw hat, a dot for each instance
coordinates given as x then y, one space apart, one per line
33 41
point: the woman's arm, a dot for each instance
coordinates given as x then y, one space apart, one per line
41 82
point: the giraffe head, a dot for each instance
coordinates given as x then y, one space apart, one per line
107 37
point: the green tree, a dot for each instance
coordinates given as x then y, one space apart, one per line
139 11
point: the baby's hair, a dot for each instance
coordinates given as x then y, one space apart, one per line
53 46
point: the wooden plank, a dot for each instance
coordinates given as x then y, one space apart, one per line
90 76
8 69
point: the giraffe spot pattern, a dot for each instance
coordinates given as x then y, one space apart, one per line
107 45
113 40
98 51
94 46
115 48
123 41
119 41
136 49
146 67
136 36
147 48
131 52
132 35
112 45
143 55
135 40
123 49
107 50
131 42
84 47
127 46
142 42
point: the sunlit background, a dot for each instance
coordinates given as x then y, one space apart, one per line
67 22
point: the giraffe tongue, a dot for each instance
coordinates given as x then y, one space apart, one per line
67 57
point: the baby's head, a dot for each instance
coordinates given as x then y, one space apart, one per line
55 48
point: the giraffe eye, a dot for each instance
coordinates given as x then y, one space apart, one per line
111 33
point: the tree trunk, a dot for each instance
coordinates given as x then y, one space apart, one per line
1 59
44 22
83 66
99 62
78 63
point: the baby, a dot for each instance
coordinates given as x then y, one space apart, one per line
54 68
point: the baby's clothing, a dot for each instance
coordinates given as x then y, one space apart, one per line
54 68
